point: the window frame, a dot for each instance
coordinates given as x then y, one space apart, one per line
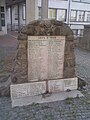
23 17
75 17
55 13
80 1
39 11
2 18
16 12
65 13
83 15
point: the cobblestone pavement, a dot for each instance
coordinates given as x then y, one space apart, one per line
83 66
8 46
69 109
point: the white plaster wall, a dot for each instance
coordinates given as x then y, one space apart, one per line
58 4
31 10
77 27
39 3
8 16
80 6
22 21
2 2
13 16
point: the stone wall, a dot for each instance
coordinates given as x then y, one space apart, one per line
43 28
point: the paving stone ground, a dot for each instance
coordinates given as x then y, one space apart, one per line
8 45
69 109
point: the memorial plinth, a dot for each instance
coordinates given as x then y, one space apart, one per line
45 61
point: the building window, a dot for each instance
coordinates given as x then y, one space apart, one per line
39 12
3 22
61 15
73 15
2 16
3 19
85 1
81 15
87 16
16 12
76 0
23 12
52 13
2 9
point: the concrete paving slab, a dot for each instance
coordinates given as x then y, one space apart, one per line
48 98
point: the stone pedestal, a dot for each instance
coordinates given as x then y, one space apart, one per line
45 61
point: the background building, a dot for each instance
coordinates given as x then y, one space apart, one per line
76 13
15 14
3 24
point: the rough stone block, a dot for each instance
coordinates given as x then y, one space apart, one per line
55 85
62 84
70 83
27 89
45 51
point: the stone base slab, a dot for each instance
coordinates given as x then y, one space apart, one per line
40 99
19 91
27 89
37 88
62 84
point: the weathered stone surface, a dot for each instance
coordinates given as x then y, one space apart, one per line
22 45
45 57
46 60
27 89
30 30
55 86
69 72
70 83
24 30
39 88
43 28
22 36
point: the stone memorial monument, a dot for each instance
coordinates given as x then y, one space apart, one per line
45 61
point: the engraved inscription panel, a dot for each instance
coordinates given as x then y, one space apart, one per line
37 58
56 57
45 57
